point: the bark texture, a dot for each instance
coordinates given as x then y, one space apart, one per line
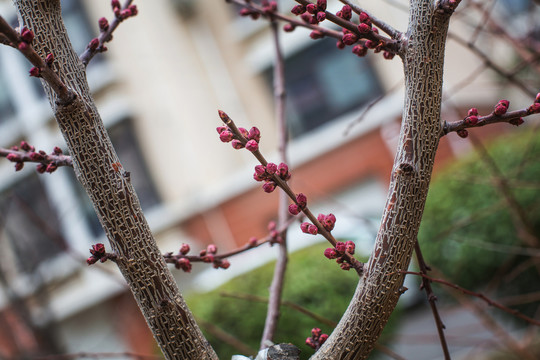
111 192
379 290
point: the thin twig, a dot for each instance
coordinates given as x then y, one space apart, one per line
478 295
393 33
432 298
276 287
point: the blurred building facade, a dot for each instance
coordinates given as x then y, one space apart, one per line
158 89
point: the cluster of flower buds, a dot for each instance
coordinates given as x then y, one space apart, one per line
327 222
250 139
27 36
98 253
296 208
267 173
316 339
26 152
472 117
535 107
208 255
338 253
311 13
120 14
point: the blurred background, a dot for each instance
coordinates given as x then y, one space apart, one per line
158 89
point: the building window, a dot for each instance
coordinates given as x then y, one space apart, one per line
324 83
30 225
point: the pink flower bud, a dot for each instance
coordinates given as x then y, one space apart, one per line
269 186
312 229
243 131
315 34
254 134
345 12
211 249
49 59
133 9
330 253
350 246
349 39
345 266
294 209
471 120
534 108
224 264
311 343
13 157
341 247
91 260
500 109
271 168
19 165
306 17
252 241
115 4
208 258
321 4
359 50
223 116
340 45
364 28
221 129
98 249
504 103
51 168
94 43
364 17
516 122
537 99
316 332
301 200
57 151
23 46
321 16
463 133
388 55
323 338
370 44
34 156
244 12
237 144
472 112
304 227
260 170
226 136
183 264
283 170
25 146
311 8
184 249
289 27
35 71
202 253
298 9
329 222
27 35
40 168
252 145
103 24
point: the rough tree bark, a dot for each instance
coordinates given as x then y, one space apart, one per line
111 192
379 290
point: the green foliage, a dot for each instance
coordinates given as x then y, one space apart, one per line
312 281
469 232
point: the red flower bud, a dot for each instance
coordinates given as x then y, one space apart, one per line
271 168
51 168
341 247
18 166
252 145
184 249
315 34
340 45
208 258
13 157
537 99
298 9
504 103
221 129
471 120
103 24
294 209
364 28
26 147
500 109
345 12
463 133
289 27
312 229
34 156
91 260
243 131
321 4
211 249
183 264
316 332
350 246
472 112
388 55
224 264
115 4
40 168
49 59
237 144
252 241
349 39
364 17
311 8
133 9
322 339
254 134
370 44
516 122
226 136
321 16
311 343
301 200
534 108
359 50
345 266
35 71
27 35
269 186
283 170
306 17
93 45
330 253
23 46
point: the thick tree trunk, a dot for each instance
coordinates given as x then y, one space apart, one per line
379 290
111 192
